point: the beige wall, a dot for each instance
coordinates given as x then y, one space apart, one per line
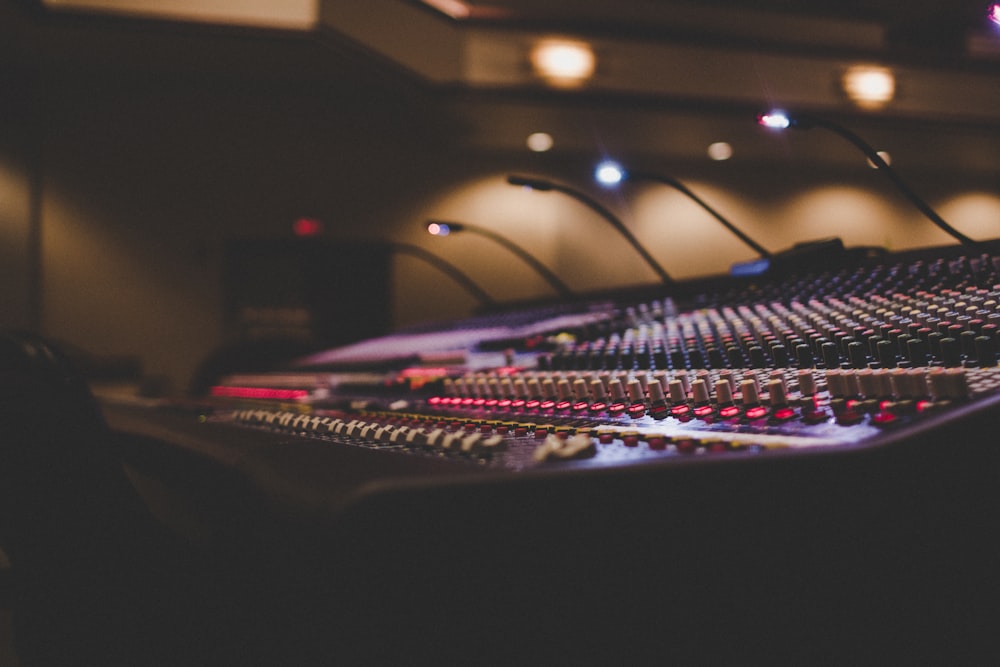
145 178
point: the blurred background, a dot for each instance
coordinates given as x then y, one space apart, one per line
189 182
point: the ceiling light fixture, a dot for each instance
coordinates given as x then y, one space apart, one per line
563 63
540 142
869 86
720 151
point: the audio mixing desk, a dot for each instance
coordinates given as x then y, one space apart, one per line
793 466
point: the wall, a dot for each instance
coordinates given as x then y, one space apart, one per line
145 176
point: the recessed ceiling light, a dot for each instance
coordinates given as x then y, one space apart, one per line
562 62
719 151
540 141
869 86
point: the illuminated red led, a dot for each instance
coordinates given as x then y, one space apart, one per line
636 410
517 403
533 404
756 412
504 403
729 411
923 405
434 400
579 405
616 408
883 418
784 414
599 406
547 405
266 393
703 411
468 401
479 402
563 405
679 410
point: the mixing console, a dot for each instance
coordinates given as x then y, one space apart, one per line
783 469
836 358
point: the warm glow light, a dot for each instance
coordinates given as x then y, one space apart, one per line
453 8
719 151
868 86
288 14
563 63
540 142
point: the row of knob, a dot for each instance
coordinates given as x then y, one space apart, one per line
948 329
475 438
661 393
375 432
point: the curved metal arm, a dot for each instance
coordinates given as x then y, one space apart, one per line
456 275
674 183
544 185
552 279
806 121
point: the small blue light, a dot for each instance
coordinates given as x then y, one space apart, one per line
777 120
609 173
754 267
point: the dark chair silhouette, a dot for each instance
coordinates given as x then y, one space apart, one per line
96 579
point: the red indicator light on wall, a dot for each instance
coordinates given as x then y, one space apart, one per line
306 227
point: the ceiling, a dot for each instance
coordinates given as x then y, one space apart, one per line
698 60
